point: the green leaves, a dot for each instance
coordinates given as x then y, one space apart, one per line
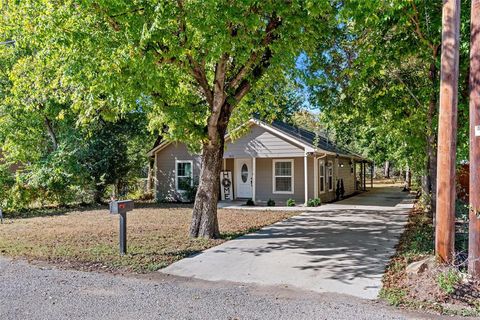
374 83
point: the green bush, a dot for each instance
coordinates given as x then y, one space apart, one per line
290 202
448 280
7 181
190 190
270 203
250 202
314 202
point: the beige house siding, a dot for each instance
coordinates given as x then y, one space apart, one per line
338 173
260 143
264 181
165 170
328 195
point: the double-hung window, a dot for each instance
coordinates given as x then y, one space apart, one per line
330 175
283 176
183 174
322 176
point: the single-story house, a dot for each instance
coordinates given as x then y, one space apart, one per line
271 161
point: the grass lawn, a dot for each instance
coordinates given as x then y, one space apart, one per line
88 240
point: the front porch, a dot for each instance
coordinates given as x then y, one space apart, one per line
299 178
259 205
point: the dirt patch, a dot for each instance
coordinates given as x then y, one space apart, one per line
88 240
447 289
442 289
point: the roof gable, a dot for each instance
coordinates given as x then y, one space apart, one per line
312 139
260 142
297 137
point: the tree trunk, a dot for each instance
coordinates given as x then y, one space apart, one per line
204 216
408 179
98 194
51 133
386 173
204 220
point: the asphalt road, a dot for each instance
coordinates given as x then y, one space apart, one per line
43 292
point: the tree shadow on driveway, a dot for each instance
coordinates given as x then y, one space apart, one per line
341 244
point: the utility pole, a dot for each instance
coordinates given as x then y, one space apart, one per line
474 196
447 132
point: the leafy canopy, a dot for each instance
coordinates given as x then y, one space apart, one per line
106 57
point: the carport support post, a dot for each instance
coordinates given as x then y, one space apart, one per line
360 188
315 177
474 196
364 176
371 174
254 174
305 176
447 132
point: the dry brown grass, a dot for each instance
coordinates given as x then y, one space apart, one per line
88 240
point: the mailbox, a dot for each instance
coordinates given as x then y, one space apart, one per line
121 207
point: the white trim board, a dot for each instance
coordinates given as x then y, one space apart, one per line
176 173
292 161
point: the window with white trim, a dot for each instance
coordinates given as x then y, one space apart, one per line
283 176
322 175
330 175
183 174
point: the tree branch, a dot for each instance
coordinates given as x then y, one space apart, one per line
51 133
182 34
127 12
111 21
219 94
198 72
242 90
418 30
272 25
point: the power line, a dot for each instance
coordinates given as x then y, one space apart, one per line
8 42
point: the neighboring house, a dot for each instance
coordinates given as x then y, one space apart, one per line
271 161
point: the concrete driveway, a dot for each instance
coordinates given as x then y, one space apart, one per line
341 248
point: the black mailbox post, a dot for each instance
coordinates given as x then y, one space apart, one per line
121 208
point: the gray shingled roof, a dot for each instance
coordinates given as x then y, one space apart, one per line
310 138
305 136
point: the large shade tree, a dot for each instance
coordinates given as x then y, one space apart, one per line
189 63
61 159
378 82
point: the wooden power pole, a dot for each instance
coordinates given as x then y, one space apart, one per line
474 193
447 132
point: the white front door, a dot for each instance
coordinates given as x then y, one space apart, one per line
243 177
